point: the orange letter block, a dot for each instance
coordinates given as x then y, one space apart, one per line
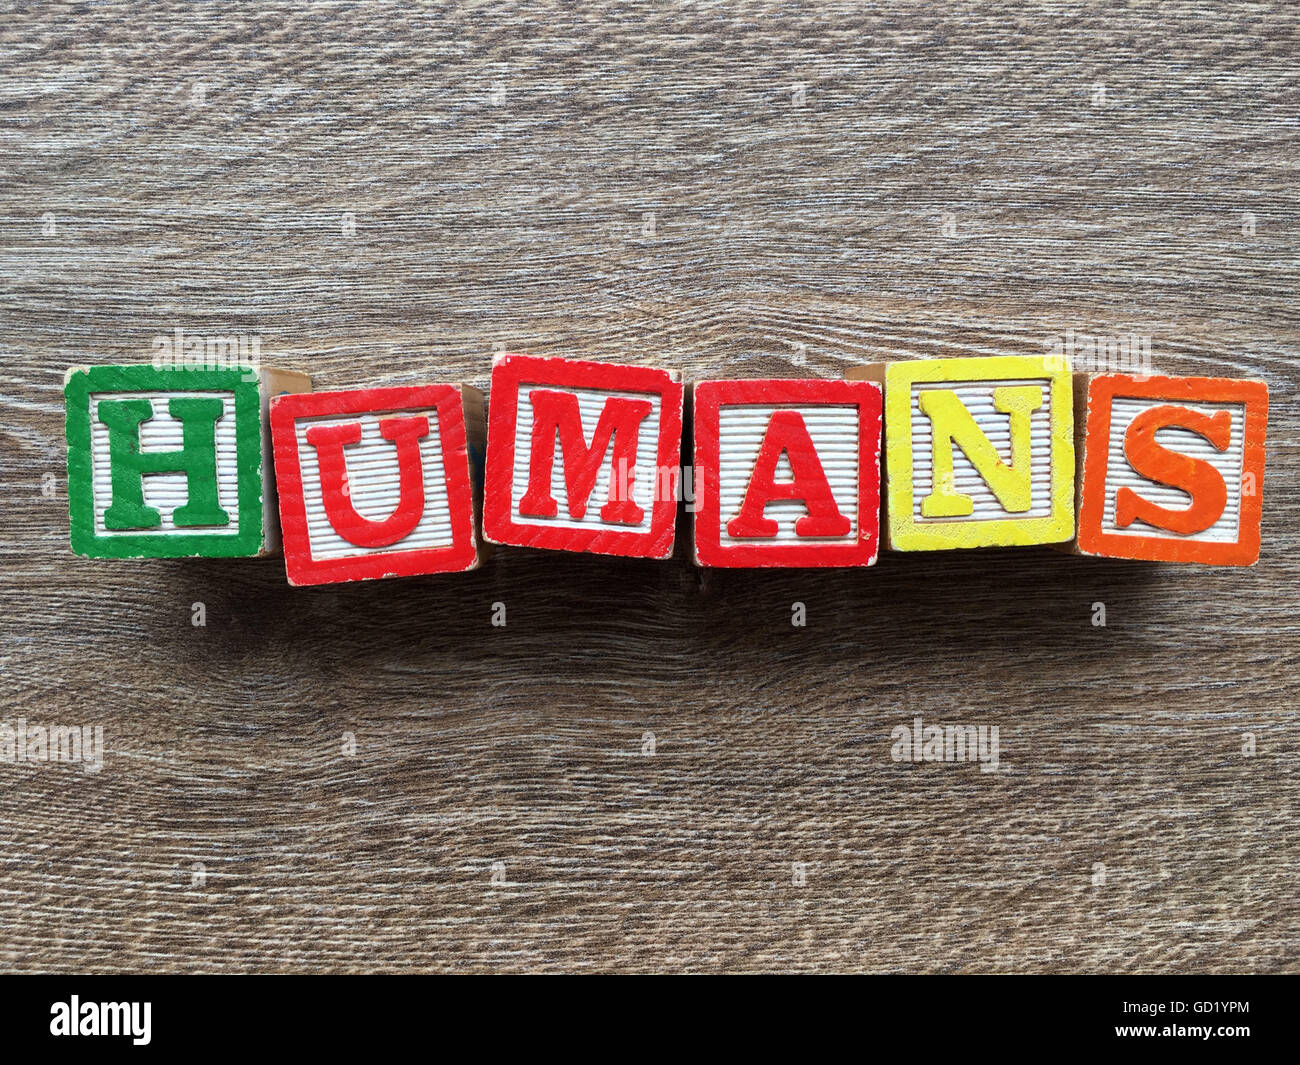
1172 468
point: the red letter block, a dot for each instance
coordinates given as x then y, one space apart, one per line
1172 468
787 473
377 482
582 456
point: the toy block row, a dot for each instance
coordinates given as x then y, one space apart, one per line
582 456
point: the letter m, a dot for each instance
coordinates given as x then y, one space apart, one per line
557 415
66 741
117 1017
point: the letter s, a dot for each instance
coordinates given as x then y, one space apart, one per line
1198 478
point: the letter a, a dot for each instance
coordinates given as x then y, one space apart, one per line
788 435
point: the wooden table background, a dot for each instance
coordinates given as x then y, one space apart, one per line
829 184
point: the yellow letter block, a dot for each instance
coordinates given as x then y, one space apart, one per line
979 452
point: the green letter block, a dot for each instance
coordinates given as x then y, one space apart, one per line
166 463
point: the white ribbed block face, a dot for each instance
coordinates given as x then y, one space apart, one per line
1120 473
833 429
374 482
591 402
166 491
977 398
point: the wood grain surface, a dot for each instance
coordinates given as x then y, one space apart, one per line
671 775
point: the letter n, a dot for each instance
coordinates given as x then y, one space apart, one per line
953 423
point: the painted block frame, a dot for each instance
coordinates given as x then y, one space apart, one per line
709 397
449 401
511 371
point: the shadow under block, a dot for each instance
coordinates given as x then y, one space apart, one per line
1171 468
378 482
979 452
582 456
172 462
787 473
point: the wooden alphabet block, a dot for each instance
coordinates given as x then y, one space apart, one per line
172 462
1172 468
378 482
582 456
787 473
979 452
